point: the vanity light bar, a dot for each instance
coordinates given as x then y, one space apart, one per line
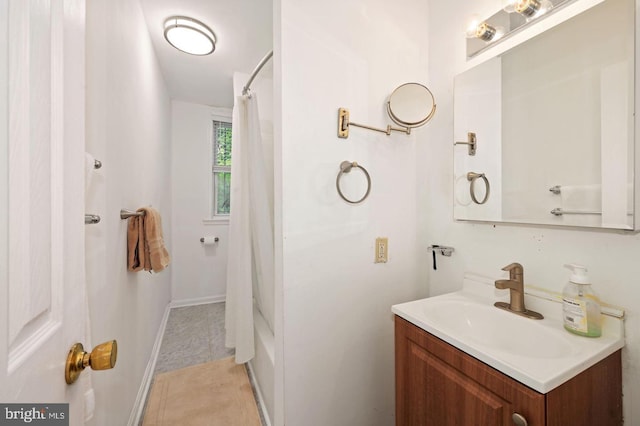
515 15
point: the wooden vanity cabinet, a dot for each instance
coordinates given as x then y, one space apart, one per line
439 385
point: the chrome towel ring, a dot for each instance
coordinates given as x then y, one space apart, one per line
345 167
473 177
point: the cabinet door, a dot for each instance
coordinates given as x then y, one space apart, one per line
441 395
436 384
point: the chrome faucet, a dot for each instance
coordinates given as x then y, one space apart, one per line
515 284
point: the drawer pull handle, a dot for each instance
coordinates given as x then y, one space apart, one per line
519 420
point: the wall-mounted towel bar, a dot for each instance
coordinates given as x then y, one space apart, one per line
126 214
90 219
216 239
559 212
555 189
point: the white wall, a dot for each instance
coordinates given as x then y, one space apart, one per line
337 326
199 272
485 248
128 128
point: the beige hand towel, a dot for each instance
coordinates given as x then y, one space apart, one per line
156 256
136 249
145 242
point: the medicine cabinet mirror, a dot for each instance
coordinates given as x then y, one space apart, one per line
552 126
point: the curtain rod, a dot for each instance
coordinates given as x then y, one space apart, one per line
255 72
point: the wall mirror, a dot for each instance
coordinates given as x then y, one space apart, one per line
409 106
551 121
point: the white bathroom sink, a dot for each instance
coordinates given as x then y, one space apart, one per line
495 328
539 353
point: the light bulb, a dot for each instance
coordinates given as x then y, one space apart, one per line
474 21
482 30
527 8
486 32
531 8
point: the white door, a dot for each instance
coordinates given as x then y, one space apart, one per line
42 302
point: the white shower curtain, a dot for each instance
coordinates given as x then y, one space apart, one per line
250 265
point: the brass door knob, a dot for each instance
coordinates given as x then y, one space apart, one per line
102 357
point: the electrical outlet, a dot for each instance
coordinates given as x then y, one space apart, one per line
382 246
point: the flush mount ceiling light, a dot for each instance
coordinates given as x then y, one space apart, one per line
189 35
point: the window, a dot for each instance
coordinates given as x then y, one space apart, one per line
221 205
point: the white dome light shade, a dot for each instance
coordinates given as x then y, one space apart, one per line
189 35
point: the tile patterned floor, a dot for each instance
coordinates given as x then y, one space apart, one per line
194 335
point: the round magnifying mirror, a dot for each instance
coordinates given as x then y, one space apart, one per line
411 105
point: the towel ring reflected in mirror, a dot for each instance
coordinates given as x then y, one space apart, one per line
473 177
345 167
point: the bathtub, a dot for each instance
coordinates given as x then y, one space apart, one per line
262 365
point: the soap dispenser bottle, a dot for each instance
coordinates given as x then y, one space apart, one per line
580 306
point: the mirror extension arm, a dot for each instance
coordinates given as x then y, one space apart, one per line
344 123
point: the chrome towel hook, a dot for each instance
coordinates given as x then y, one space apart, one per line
90 219
473 177
345 167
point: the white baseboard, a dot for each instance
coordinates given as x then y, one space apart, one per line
197 301
138 407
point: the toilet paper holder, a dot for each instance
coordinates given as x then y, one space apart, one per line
216 239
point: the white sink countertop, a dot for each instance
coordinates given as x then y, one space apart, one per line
538 353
